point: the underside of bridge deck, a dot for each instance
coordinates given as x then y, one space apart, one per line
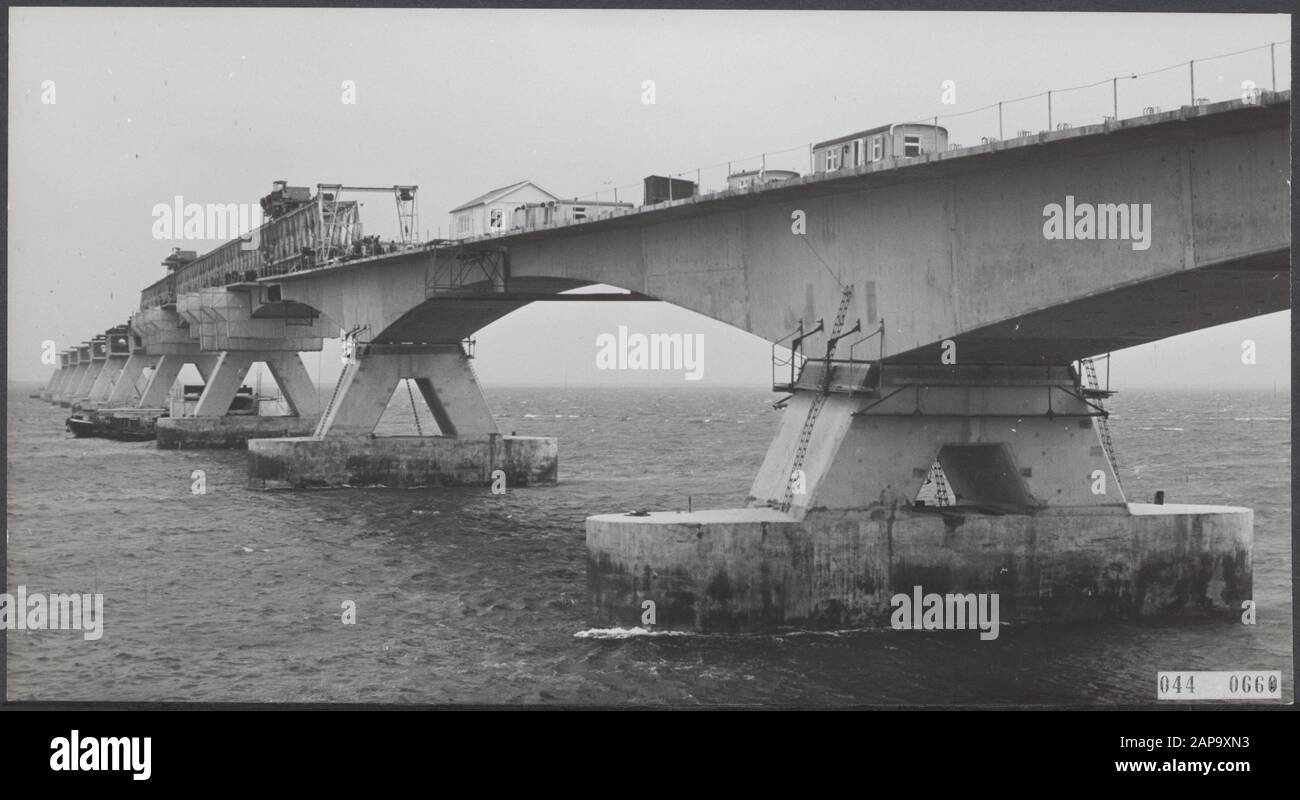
1127 316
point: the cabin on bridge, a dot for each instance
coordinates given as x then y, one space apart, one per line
523 205
555 212
739 181
900 140
492 212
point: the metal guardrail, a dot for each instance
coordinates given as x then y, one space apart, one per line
1268 67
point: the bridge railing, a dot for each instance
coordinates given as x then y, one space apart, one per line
160 293
1240 75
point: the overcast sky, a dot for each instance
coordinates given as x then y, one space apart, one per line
214 104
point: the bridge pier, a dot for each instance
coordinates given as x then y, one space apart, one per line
88 378
211 425
65 380
51 386
108 355
83 366
972 480
124 389
75 373
167 370
343 451
60 377
103 384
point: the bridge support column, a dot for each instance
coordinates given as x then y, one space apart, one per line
214 425
161 380
88 378
103 385
64 381
69 392
124 388
222 382
992 480
47 391
51 392
295 384
344 450
70 384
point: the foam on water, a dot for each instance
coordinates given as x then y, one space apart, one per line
625 633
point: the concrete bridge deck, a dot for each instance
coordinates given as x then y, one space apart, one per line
944 246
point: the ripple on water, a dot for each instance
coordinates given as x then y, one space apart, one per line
239 595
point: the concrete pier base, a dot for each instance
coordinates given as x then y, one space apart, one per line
957 480
761 569
194 433
342 451
400 462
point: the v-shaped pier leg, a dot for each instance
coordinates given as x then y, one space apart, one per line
216 423
124 389
295 384
445 379
108 374
467 450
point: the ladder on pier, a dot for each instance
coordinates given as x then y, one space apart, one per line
805 434
329 407
1103 422
941 497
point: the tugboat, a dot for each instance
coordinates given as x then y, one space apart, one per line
122 424
245 402
80 426
139 424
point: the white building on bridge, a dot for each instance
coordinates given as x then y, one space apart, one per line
520 205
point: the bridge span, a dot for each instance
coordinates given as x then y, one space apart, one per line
941 425
946 245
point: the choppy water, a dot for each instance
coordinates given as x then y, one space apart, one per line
467 597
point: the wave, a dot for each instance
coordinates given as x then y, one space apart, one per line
625 633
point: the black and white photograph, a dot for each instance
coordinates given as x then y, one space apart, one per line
647 358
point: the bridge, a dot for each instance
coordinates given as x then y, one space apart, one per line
941 311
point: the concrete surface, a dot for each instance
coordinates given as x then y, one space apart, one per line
400 461
193 433
757 569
